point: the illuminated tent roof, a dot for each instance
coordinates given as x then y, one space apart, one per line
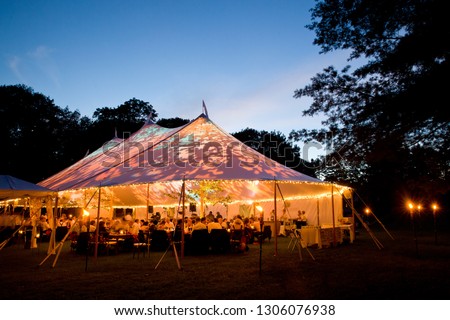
14 188
154 161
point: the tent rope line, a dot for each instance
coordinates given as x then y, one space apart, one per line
376 218
369 231
172 242
59 246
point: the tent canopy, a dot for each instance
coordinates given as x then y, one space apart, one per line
13 188
151 165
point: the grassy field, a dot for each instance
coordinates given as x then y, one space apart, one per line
348 271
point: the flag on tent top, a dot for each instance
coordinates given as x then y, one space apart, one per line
205 111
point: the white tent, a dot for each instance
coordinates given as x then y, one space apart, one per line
15 191
148 169
14 188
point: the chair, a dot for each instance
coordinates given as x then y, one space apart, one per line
237 241
73 241
160 240
143 242
82 243
199 242
176 238
267 233
298 243
220 241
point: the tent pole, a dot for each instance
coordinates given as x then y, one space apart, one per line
182 219
97 224
52 242
275 215
352 229
148 201
319 239
332 214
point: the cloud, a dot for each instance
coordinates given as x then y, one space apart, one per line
269 105
35 67
43 59
266 102
41 53
14 65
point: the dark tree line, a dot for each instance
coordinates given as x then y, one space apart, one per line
38 138
387 118
276 146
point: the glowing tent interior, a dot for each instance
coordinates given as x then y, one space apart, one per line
145 173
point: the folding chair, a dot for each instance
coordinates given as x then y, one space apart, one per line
297 243
143 241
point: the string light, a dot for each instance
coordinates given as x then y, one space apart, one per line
262 185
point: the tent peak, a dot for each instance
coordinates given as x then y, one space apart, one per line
204 110
149 119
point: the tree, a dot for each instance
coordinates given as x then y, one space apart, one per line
37 137
123 120
275 146
390 111
172 122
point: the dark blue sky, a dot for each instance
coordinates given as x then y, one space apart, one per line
244 58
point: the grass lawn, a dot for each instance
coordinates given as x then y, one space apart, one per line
348 271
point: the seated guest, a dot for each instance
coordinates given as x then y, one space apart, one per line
161 224
214 225
188 225
225 224
210 216
134 227
63 222
199 224
101 228
93 226
168 224
107 225
238 224
115 226
43 224
144 226
255 224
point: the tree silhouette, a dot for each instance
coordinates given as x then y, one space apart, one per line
172 122
122 120
390 111
275 146
37 137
